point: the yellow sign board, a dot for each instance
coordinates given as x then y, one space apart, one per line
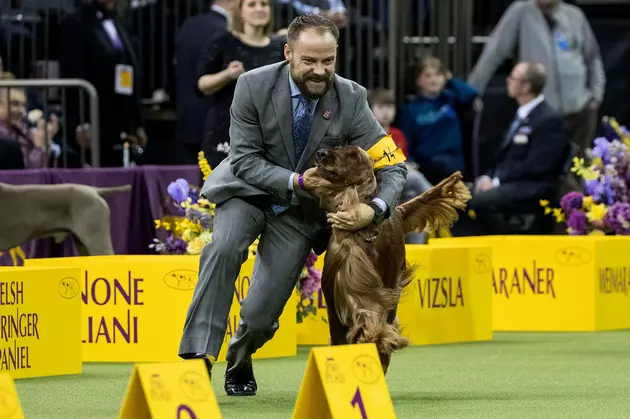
40 321
449 300
134 307
177 390
450 297
558 283
344 382
10 407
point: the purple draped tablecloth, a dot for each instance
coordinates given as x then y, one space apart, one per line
133 214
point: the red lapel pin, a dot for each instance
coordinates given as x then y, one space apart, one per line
326 114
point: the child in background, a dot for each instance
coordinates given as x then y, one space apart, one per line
431 124
383 106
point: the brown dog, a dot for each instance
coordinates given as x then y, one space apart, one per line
31 212
365 270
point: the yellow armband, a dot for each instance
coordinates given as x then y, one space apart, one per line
386 153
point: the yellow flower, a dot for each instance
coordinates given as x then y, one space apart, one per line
203 202
597 161
547 210
596 233
587 202
204 166
544 203
557 212
578 164
195 246
587 173
472 214
187 235
158 223
597 212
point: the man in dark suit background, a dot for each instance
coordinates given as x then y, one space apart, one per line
190 43
531 156
96 47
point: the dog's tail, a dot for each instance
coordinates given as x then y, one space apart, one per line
103 192
437 207
363 303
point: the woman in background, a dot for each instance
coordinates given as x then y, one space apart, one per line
35 143
247 46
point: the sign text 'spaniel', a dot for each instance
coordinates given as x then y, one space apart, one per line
17 324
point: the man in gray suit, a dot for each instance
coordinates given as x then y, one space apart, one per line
281 115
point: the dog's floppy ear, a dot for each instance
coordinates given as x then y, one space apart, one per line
437 207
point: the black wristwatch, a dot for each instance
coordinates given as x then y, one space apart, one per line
379 214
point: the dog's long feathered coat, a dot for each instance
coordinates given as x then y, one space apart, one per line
365 270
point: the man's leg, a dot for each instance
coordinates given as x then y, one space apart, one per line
236 225
282 251
488 203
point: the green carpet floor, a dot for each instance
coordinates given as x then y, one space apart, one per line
517 375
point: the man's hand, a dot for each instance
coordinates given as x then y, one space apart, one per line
483 183
354 219
306 178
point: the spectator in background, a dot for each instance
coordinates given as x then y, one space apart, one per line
531 156
35 143
193 37
247 46
557 35
96 47
383 105
430 121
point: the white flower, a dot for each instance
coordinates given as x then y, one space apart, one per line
206 236
224 148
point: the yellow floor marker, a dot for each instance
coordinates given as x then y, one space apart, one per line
10 407
176 390
344 382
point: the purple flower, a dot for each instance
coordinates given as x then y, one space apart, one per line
310 284
571 202
602 149
620 189
577 223
193 194
175 246
601 190
178 190
311 259
618 218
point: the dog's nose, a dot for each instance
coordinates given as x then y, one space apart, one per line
321 154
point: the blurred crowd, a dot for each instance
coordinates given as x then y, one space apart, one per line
558 83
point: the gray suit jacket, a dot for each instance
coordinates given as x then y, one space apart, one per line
261 140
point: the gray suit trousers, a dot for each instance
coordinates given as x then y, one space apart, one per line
284 245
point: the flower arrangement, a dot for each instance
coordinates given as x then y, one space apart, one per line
191 230
604 208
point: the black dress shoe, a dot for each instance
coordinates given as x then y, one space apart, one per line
205 359
240 381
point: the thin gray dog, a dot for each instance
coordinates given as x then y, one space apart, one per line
29 212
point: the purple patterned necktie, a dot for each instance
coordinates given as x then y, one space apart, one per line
302 121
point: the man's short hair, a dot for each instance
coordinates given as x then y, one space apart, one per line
310 21
382 97
536 75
